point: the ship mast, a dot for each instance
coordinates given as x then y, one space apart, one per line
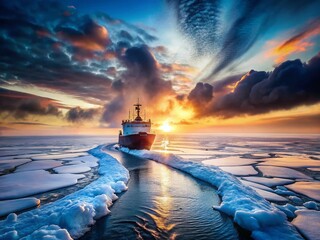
137 108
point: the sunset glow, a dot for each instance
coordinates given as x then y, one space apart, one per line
83 70
166 127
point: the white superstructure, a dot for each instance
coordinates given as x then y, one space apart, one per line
137 125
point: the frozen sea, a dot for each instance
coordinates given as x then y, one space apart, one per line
37 173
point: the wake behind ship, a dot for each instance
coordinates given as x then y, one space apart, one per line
136 133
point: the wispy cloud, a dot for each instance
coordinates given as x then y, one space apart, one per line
300 42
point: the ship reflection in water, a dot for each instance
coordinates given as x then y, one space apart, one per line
162 203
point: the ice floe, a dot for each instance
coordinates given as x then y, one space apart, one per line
250 210
309 189
240 170
284 191
270 195
72 215
89 161
288 209
38 165
308 223
314 169
311 205
282 172
229 161
256 185
12 163
291 161
58 156
22 184
10 206
296 200
270 182
77 168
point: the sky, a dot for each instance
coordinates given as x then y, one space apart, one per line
77 67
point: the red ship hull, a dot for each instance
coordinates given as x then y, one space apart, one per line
137 141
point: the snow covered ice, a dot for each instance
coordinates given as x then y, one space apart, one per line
39 165
27 183
78 168
283 173
310 189
71 216
270 171
308 223
9 206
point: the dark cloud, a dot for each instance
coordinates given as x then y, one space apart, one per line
70 53
29 123
141 79
291 84
226 83
203 92
78 114
90 36
227 33
20 106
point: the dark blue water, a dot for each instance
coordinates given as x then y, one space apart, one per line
162 203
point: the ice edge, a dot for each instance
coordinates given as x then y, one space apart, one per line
246 206
71 216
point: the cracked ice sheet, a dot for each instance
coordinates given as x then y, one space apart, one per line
58 156
270 182
39 165
308 223
74 213
255 185
240 170
309 189
12 163
229 161
291 161
314 169
269 195
282 172
89 161
77 168
22 184
10 206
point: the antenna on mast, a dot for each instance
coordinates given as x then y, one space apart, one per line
137 108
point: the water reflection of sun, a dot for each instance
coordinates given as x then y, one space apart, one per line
164 204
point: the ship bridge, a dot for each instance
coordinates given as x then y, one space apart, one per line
137 125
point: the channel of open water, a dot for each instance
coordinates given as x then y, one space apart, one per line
162 203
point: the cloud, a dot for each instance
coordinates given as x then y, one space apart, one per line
72 53
228 31
20 106
289 85
89 36
29 123
78 114
203 92
300 42
141 79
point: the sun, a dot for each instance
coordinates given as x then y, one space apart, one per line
166 127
